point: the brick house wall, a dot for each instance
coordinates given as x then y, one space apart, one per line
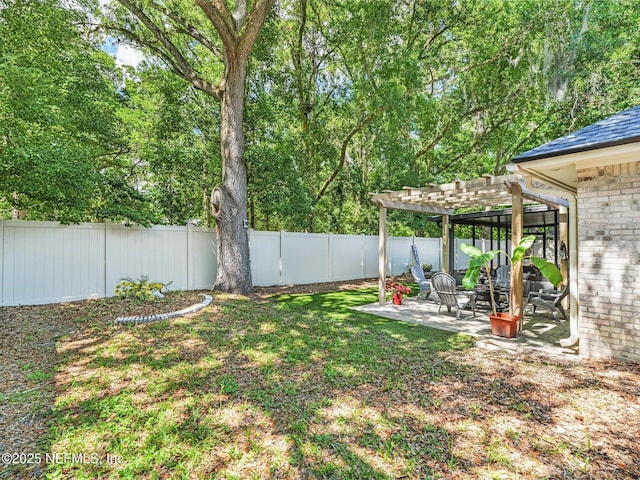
609 261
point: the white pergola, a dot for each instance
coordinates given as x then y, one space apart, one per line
488 191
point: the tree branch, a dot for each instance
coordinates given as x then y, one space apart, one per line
296 58
435 141
459 156
519 145
478 140
194 79
237 31
174 58
431 40
183 26
219 15
499 54
253 25
343 151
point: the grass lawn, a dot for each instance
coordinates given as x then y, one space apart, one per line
300 386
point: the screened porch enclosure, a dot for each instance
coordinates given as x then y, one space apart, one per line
491 229
498 203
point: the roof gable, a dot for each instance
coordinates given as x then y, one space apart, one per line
618 129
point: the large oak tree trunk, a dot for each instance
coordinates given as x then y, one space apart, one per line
238 27
230 200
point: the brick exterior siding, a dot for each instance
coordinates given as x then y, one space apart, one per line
609 261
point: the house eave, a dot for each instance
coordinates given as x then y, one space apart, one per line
600 155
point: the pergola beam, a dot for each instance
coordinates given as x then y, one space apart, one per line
414 207
488 191
488 188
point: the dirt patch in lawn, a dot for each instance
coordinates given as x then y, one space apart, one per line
469 414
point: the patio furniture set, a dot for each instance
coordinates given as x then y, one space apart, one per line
447 293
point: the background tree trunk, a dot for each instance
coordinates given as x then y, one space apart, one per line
230 206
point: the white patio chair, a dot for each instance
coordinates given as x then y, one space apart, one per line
503 276
423 283
445 287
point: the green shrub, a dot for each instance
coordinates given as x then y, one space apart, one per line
140 290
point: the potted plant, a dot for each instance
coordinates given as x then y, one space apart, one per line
397 290
505 324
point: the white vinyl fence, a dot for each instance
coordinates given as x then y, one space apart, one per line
46 262
281 258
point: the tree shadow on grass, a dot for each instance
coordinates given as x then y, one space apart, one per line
304 387
152 388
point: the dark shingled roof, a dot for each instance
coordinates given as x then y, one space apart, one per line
615 130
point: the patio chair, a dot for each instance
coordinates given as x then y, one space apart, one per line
549 299
418 276
503 282
503 277
445 287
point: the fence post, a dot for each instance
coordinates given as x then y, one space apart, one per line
108 238
382 254
190 259
280 262
250 239
362 256
329 262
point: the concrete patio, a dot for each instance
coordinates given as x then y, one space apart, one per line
540 333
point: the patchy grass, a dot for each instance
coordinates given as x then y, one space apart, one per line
300 386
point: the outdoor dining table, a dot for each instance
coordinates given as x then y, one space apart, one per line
483 296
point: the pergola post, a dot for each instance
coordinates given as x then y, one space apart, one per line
445 243
488 191
382 255
516 235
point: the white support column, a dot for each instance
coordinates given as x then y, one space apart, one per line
281 263
574 333
573 251
563 233
382 255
